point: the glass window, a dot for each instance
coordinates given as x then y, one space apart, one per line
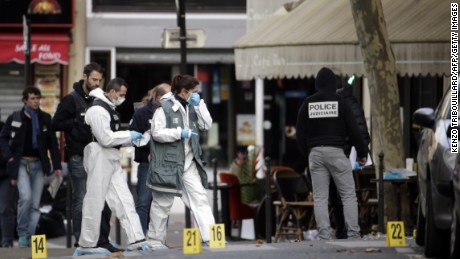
443 111
169 6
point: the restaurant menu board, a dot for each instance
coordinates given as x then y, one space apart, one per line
47 79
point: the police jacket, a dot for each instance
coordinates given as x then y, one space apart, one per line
325 119
12 138
141 123
70 116
171 156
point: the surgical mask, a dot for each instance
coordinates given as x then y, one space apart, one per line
190 96
119 101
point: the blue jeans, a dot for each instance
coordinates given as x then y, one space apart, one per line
30 187
79 176
144 195
7 202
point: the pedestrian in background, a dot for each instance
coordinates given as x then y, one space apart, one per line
101 159
7 202
336 203
69 118
27 138
176 168
324 122
141 123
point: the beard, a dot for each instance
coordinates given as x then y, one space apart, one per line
89 87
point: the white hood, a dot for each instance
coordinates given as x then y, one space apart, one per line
99 94
167 96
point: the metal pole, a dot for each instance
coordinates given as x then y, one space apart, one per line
182 37
68 211
180 6
268 203
380 198
26 34
214 191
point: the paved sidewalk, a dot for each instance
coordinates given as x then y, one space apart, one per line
249 249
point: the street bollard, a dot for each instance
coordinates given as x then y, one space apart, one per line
380 195
214 191
268 203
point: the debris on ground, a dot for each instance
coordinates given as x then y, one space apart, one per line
373 250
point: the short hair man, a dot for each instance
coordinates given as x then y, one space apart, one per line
70 118
26 140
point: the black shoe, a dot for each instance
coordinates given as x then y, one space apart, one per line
110 247
341 233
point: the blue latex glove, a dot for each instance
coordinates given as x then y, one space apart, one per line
195 99
356 166
135 135
187 133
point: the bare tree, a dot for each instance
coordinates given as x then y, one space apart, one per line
380 65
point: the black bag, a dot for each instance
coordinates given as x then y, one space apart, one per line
51 224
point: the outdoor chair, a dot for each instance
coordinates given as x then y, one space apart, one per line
366 193
293 203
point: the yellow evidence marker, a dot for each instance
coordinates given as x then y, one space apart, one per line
39 249
192 241
395 233
217 236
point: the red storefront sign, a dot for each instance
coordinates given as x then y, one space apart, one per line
44 48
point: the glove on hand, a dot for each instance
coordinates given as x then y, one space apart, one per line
135 135
195 99
356 166
187 133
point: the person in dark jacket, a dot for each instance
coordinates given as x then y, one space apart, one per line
141 123
26 139
69 117
347 93
7 203
324 122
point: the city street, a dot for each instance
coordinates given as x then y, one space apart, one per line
249 249
242 249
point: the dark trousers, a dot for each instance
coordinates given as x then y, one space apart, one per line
8 198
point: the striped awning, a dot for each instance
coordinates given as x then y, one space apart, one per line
318 33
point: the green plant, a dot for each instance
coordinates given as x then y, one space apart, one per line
245 166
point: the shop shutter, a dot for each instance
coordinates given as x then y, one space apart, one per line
11 86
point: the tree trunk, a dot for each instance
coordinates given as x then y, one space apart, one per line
380 66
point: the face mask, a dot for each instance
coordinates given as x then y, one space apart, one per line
119 101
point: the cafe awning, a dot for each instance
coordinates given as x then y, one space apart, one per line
297 43
45 48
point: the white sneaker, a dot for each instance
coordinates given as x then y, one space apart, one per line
156 245
90 251
139 246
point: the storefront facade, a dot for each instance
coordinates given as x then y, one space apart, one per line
126 39
51 22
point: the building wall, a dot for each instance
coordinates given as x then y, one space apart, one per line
144 30
77 46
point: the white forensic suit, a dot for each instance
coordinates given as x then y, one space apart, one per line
105 180
193 193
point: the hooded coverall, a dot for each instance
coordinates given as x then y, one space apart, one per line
105 179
